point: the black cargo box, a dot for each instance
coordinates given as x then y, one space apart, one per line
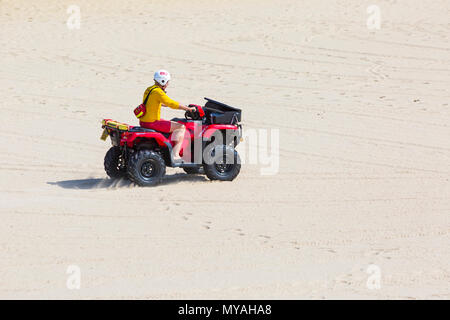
219 113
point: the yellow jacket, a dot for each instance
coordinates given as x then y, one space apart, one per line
153 107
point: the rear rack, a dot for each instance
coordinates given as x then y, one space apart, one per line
111 124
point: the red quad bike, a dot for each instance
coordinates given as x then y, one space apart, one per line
142 154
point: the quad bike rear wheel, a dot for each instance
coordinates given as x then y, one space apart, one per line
114 163
146 168
224 163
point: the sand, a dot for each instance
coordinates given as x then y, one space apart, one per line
358 208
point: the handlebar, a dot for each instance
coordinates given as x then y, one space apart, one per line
195 115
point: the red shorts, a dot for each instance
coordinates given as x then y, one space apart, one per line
158 125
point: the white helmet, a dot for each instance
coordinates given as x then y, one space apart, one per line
162 77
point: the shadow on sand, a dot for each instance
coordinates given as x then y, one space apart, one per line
107 183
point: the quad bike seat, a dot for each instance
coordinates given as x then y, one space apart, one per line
141 129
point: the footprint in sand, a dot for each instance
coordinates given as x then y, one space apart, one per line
295 245
207 225
383 253
187 216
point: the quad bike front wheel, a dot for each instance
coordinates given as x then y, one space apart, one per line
146 168
114 163
223 164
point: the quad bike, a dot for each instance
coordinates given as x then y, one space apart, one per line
141 154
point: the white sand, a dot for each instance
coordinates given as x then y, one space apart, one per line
364 150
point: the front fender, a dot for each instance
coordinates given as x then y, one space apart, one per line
230 134
211 129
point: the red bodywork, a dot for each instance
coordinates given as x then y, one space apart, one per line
132 139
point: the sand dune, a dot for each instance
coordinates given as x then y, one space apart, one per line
364 151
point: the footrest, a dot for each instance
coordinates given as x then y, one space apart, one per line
186 165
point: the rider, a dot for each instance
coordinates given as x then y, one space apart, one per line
152 119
